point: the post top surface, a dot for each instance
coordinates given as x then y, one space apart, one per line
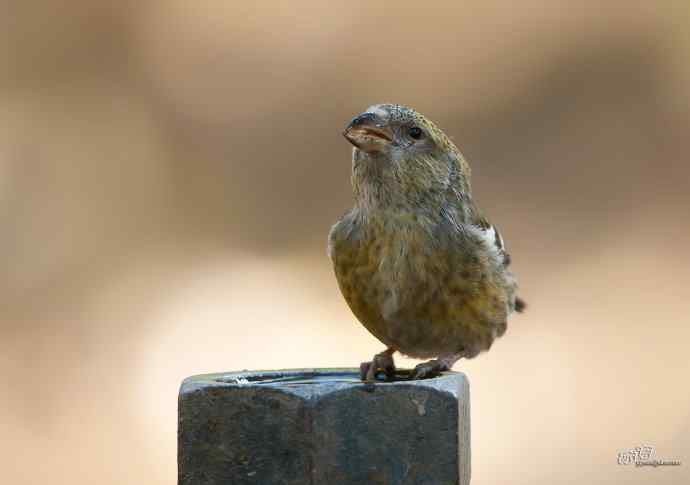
317 381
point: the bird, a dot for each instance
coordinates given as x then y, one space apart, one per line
416 260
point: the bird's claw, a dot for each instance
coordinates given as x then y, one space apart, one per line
430 369
381 362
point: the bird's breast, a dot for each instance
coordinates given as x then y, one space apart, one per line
420 287
385 264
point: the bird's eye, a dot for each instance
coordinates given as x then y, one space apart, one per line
415 132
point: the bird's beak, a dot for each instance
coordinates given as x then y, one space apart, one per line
368 132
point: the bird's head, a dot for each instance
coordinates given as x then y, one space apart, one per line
401 153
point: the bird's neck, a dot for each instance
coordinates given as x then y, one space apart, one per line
376 185
379 185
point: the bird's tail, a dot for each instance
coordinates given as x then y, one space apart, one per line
520 305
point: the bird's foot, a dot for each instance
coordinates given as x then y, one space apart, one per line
430 369
380 362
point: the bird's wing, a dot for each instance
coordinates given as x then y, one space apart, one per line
490 234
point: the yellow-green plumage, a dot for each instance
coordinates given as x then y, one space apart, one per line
417 263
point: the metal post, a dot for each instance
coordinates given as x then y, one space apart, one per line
322 427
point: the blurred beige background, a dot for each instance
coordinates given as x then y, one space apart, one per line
169 171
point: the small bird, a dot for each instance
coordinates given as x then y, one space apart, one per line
417 262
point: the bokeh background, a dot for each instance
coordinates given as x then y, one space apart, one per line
169 171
